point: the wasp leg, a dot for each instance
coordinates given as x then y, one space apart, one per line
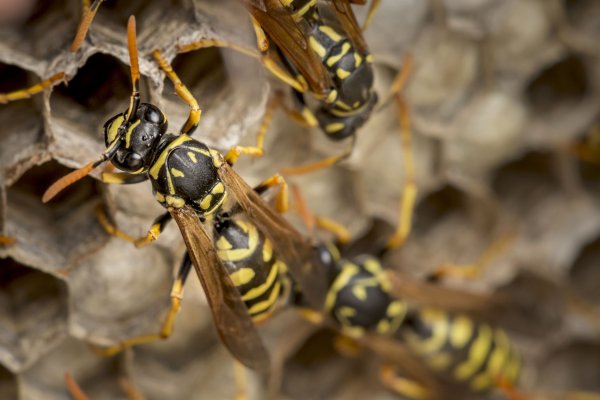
342 235
153 233
257 150
194 116
32 90
373 7
282 197
321 164
89 12
409 192
73 388
270 64
169 322
403 386
129 388
6 240
347 346
473 270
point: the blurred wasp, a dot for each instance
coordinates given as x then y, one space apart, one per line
315 48
426 332
195 183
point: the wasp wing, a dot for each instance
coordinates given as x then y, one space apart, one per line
281 28
413 368
347 20
293 248
234 325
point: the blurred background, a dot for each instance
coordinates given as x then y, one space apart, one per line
504 97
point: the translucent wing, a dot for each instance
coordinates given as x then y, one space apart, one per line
281 28
234 325
411 367
347 20
293 248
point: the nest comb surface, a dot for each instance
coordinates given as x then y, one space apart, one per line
499 91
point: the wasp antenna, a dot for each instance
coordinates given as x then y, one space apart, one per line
135 68
89 12
67 180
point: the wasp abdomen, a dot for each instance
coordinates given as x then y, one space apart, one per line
469 352
254 268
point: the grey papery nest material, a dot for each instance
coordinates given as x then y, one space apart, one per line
499 90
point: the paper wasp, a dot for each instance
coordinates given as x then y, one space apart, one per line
317 51
195 184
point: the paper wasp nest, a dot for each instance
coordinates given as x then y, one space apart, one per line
499 93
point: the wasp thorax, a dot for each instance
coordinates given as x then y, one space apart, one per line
137 138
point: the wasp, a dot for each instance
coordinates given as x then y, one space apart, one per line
318 49
423 331
196 184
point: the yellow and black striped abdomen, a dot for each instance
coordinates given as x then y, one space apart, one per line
252 265
468 352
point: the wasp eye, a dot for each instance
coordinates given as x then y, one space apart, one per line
152 115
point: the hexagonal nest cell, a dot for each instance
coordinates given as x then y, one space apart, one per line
57 235
34 313
497 106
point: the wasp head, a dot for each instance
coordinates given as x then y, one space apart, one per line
136 137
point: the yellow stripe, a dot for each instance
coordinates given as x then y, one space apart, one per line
477 354
159 197
177 173
202 151
114 128
360 292
242 276
266 304
176 202
335 58
300 13
334 127
218 188
348 271
357 60
206 201
261 289
163 156
316 46
241 254
461 331
438 321
129 132
224 244
267 250
500 354
333 35
192 157
396 311
342 74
